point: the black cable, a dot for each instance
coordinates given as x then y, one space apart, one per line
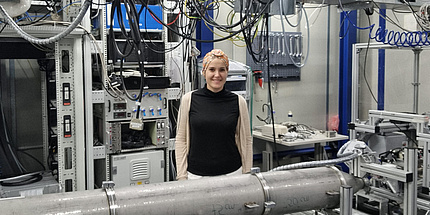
341 24
123 81
207 41
4 26
133 37
258 56
391 151
116 6
34 158
138 42
384 16
101 77
213 23
151 42
5 143
364 67
270 92
409 137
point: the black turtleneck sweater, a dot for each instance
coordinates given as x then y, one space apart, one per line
213 120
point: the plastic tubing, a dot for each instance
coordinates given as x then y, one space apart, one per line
318 163
52 39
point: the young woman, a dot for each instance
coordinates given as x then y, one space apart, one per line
213 134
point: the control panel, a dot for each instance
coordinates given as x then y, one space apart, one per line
153 105
161 132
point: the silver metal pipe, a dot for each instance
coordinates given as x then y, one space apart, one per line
289 191
416 83
410 188
354 87
346 195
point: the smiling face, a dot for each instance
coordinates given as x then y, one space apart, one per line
216 75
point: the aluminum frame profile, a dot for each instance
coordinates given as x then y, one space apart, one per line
389 172
426 162
386 194
383 202
423 204
404 117
410 188
381 128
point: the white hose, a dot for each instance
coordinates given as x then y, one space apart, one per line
318 163
53 39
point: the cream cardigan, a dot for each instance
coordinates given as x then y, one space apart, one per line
182 144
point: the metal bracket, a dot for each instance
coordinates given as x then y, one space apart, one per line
252 205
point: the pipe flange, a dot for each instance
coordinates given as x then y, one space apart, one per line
108 186
268 203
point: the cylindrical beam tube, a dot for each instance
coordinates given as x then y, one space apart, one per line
81 202
308 189
291 191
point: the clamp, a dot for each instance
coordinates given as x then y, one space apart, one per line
268 203
108 186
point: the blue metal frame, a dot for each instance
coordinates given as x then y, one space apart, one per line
381 64
349 34
204 33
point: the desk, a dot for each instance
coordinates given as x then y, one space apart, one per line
315 141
